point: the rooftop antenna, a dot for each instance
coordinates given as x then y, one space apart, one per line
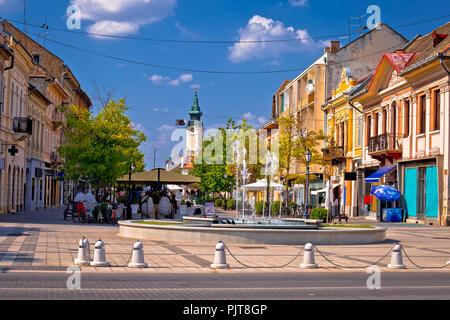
355 27
25 16
43 33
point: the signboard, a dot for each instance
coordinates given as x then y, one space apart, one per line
209 208
38 172
350 176
2 163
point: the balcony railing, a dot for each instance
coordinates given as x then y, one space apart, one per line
57 118
384 142
335 154
22 125
54 158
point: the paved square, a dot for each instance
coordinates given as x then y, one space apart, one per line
42 240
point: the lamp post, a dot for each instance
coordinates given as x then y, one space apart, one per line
130 197
308 159
225 187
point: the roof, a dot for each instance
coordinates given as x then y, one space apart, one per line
398 60
283 85
425 46
165 177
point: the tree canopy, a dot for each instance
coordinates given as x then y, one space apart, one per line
100 148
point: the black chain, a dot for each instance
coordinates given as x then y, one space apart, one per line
420 267
351 267
245 265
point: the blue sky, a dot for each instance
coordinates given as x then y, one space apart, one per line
158 97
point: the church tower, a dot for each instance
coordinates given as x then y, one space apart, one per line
194 131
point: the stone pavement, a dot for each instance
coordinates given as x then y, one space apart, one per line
43 241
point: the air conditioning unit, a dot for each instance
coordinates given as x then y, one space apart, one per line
310 86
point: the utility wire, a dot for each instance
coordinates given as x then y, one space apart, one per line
211 41
202 70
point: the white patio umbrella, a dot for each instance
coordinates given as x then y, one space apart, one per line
261 185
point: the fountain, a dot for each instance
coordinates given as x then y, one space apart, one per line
259 230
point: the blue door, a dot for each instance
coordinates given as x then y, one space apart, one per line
410 192
432 193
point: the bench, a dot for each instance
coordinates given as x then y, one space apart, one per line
340 217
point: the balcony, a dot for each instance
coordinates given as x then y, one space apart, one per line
384 146
57 119
55 159
335 154
22 127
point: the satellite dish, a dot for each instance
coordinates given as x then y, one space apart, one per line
310 86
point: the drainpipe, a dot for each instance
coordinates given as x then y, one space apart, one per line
441 56
12 63
6 69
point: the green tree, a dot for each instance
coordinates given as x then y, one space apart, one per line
215 170
294 140
100 148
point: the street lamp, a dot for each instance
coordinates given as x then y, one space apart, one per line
130 198
308 159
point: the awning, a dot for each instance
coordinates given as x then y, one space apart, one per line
316 192
376 176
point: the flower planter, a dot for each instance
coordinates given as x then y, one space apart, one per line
134 208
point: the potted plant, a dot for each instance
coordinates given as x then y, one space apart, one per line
183 207
134 205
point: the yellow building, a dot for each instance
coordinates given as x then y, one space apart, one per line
344 126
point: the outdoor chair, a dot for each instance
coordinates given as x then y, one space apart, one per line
81 210
69 211
341 217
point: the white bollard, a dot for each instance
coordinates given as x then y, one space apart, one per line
396 258
308 257
83 253
99 255
137 257
220 260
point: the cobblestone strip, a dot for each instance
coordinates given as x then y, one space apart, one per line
26 251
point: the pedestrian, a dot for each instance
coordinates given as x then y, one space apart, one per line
336 207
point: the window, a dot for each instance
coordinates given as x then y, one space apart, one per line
359 131
33 186
384 120
406 108
377 119
436 110
369 129
421 188
421 115
37 58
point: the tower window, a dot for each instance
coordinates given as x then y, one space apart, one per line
37 58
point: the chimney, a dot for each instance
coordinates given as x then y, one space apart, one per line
327 50
335 45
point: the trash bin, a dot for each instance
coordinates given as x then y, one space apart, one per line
394 215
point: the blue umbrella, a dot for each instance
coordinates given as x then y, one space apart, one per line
385 193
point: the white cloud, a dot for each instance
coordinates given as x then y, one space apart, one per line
164 110
298 3
166 127
123 17
195 86
253 118
266 29
110 27
184 78
183 30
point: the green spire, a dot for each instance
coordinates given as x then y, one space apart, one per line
195 112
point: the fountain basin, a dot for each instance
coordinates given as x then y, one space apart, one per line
249 234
